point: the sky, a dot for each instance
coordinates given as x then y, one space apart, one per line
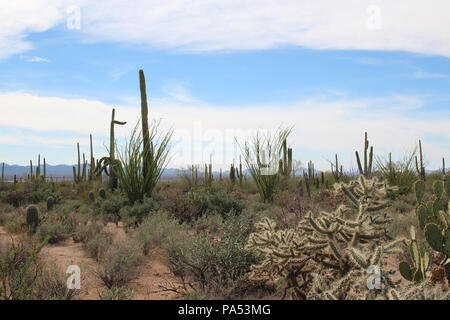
217 71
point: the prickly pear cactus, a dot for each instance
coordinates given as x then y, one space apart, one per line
420 259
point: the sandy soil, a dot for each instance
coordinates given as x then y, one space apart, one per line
154 271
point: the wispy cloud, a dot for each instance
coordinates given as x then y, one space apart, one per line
34 59
420 74
216 25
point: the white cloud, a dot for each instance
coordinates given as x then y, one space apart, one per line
322 127
208 25
214 25
34 59
18 18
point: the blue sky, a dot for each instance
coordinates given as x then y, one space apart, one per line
213 76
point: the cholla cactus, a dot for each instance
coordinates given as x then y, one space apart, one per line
339 244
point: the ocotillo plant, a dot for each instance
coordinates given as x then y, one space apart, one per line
337 174
443 166
420 168
3 172
110 161
367 169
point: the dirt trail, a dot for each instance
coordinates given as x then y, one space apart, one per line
153 272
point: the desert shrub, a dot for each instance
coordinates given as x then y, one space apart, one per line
156 230
42 195
16 198
51 284
116 293
119 263
110 208
178 204
7 214
54 230
18 270
97 244
139 210
219 202
214 264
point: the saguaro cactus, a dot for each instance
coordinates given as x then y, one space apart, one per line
32 217
110 161
148 145
420 168
367 170
337 174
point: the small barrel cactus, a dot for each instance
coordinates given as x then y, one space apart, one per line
50 203
91 195
32 217
102 193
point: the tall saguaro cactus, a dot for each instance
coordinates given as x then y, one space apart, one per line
148 146
367 170
109 161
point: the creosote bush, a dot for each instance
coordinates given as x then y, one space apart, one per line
118 265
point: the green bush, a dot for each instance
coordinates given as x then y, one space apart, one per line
119 264
51 284
54 230
178 204
215 264
116 293
139 210
219 202
156 230
110 208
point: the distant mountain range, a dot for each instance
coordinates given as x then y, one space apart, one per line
65 171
